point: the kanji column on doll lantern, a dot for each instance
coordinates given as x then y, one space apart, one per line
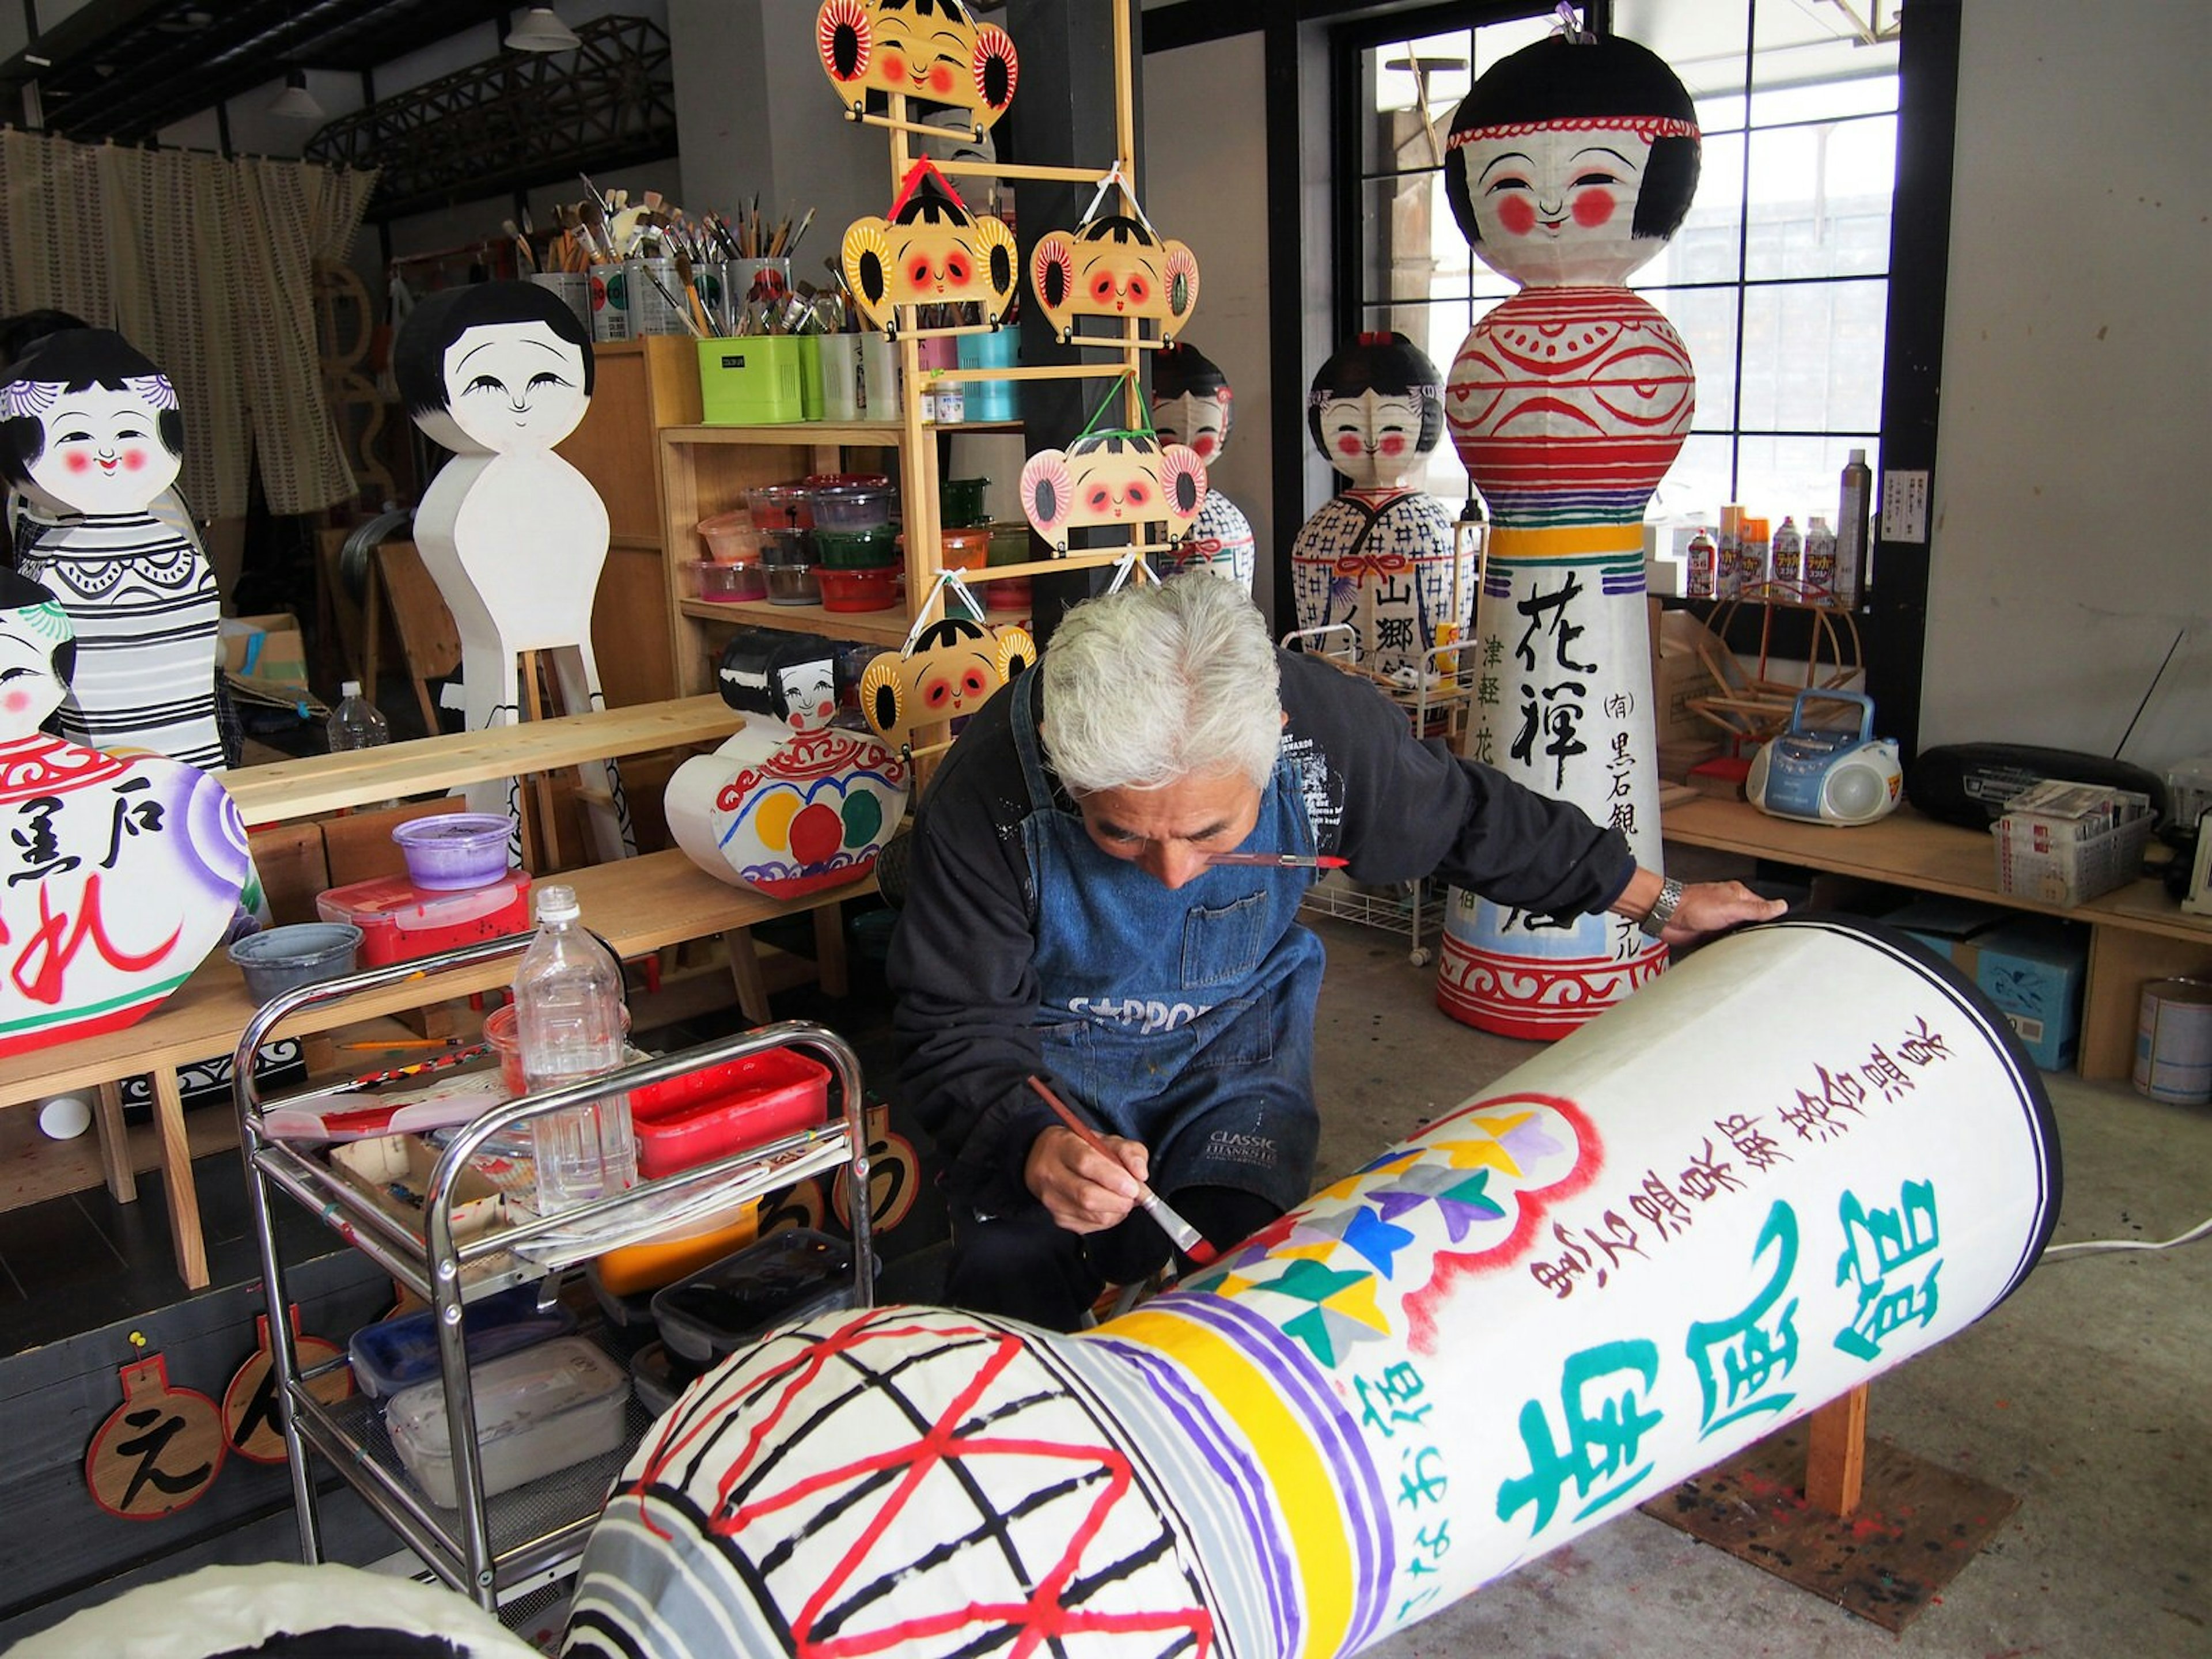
1571 162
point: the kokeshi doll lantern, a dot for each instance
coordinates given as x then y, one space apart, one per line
1616 1267
1571 162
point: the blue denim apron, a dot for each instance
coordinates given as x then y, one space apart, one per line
1182 1020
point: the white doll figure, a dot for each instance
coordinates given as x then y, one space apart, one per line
1191 405
792 803
92 439
117 874
515 538
1381 556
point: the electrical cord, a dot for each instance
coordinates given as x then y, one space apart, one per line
2104 1246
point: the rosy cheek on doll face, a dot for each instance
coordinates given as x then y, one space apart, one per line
1349 444
940 79
78 461
1594 208
1516 215
1392 444
133 459
1204 445
894 68
16 702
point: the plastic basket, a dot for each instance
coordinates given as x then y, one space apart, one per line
2039 859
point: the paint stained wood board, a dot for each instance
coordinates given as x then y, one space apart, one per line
54 1398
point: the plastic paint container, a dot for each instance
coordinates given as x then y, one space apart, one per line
962 502
724 583
454 849
853 506
859 590
2173 1041
279 959
858 550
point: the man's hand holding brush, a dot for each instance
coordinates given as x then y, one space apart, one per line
1088 1184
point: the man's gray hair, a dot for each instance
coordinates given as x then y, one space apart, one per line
1162 682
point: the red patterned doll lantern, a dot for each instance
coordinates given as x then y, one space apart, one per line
1571 163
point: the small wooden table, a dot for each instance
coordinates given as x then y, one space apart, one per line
2135 932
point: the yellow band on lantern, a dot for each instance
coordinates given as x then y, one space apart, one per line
1566 543
1310 1505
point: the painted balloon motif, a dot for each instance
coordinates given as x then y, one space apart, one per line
789 811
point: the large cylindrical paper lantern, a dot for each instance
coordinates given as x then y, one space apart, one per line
1571 163
1620 1265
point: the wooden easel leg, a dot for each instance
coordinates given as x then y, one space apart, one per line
548 850
177 1180
830 949
745 971
114 1143
1835 1456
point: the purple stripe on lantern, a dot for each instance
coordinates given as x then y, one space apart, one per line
1199 1419
1367 1512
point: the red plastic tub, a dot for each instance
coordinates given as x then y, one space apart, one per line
706 1114
859 590
400 922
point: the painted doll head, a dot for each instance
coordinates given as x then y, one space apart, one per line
931 50
952 668
788 676
495 368
1113 480
38 654
1572 161
1114 267
1190 401
88 425
1376 407
932 251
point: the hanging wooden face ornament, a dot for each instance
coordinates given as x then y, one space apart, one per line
1117 479
1116 267
932 50
932 251
949 669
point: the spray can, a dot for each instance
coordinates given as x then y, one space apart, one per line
1751 556
1703 551
1789 552
1857 501
1820 561
1728 582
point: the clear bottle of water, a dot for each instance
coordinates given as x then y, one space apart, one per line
355 723
569 1021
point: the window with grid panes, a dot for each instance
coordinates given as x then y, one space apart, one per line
1777 280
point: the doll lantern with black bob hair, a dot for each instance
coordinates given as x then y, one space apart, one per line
418 354
1182 371
1608 79
1390 364
76 360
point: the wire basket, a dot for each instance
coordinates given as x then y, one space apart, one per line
2042 859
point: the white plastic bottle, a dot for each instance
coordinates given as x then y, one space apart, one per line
355 723
1821 560
569 1021
1857 501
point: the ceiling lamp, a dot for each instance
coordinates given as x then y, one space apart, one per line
541 31
295 100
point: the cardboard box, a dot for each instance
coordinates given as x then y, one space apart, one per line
2034 970
1952 928
1678 674
265 650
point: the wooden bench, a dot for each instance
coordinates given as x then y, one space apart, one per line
2135 932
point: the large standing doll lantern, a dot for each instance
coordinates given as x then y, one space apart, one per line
121 874
514 537
1191 406
1571 163
91 436
1381 557
791 803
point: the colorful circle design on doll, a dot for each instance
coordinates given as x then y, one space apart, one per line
812 812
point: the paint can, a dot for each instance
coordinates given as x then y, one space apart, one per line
574 289
2173 1041
609 303
656 303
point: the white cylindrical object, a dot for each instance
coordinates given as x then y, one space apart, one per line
64 1117
2173 1041
1704 1214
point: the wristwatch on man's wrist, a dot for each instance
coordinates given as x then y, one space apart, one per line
1662 909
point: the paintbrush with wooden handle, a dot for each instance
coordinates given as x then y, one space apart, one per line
1187 1238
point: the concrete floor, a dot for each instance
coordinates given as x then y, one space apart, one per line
2088 1394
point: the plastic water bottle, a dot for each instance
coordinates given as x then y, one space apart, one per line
355 723
568 1021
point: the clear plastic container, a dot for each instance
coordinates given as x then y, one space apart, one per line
786 1276
450 851
965 547
537 1411
861 590
782 546
726 583
853 506
872 548
730 536
782 507
792 584
961 501
355 723
393 1355
568 1016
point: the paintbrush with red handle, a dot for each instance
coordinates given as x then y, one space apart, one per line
1187 1239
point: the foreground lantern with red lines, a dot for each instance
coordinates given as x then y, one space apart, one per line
1571 163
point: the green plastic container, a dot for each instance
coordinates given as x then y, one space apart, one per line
873 549
753 380
961 501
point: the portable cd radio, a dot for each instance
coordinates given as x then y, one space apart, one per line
1827 776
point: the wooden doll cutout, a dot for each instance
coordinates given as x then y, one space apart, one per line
92 438
117 874
513 535
1191 405
931 250
1381 556
931 51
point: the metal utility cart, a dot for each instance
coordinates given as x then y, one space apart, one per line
1438 706
524 1538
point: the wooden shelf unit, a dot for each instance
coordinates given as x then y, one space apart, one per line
2135 932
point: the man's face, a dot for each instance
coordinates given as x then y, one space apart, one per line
1556 206
103 453
1170 832
515 385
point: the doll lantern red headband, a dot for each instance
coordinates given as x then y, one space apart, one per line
932 50
931 250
